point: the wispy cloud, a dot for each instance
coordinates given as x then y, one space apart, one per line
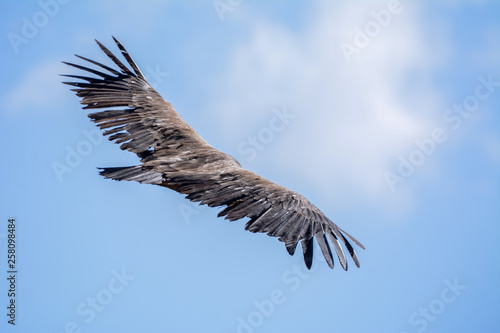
353 120
38 89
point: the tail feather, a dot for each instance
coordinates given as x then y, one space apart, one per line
133 173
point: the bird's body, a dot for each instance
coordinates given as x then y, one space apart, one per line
175 156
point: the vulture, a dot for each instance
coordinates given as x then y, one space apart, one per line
173 155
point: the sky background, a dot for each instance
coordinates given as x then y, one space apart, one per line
391 131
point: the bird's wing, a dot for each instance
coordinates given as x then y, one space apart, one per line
272 209
174 155
141 119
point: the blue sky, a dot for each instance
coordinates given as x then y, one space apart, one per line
387 120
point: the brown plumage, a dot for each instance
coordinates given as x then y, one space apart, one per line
174 155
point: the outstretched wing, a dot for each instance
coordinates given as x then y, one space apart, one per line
141 119
174 155
272 209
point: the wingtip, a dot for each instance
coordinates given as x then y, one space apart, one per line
119 44
349 247
353 239
291 248
101 45
307 248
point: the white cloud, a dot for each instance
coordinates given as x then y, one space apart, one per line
352 121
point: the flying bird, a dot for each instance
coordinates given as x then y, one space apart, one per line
174 155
